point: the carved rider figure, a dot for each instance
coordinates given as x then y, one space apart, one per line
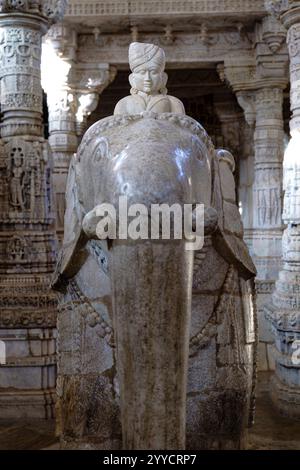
148 83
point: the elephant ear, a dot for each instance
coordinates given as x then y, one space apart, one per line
72 254
228 239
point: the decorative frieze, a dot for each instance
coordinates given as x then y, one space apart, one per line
264 287
188 47
156 7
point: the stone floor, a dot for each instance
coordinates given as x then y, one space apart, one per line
26 435
270 431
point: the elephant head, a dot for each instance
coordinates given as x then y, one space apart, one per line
149 159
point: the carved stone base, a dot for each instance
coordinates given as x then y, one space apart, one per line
266 361
285 387
285 398
16 404
28 333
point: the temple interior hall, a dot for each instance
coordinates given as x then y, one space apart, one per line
113 344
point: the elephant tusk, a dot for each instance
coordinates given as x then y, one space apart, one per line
93 228
210 220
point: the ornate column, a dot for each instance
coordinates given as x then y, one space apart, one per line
59 55
231 118
246 180
89 81
283 311
72 94
271 79
27 237
238 138
267 187
259 80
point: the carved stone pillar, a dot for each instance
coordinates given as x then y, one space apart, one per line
231 119
284 309
259 80
238 139
271 60
59 54
72 94
27 237
267 188
90 80
246 181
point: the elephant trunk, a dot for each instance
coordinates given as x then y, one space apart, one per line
152 284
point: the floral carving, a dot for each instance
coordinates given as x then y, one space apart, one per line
276 7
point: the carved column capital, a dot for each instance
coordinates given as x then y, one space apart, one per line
264 67
271 54
278 7
241 77
286 11
275 7
50 10
241 74
59 54
290 17
63 40
92 78
247 102
89 81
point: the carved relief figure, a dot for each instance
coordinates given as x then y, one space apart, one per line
28 178
3 175
16 249
17 179
148 83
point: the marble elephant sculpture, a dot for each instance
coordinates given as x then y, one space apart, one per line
156 343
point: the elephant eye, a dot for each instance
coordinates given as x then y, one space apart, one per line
197 149
101 150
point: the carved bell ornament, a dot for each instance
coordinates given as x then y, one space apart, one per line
168 37
274 34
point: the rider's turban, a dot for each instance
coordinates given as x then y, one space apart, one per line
140 53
